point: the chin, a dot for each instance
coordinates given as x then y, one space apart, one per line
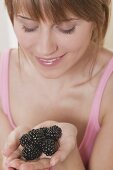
51 75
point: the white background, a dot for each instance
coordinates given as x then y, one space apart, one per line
7 36
8 39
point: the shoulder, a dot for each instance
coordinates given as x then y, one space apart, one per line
2 57
2 53
103 59
104 56
105 136
107 99
8 52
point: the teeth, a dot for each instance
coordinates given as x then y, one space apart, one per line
51 60
49 63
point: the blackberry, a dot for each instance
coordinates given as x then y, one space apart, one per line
49 147
25 140
31 153
38 141
54 132
35 136
43 130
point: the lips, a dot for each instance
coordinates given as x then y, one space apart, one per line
50 61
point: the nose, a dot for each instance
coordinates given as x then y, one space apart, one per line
47 44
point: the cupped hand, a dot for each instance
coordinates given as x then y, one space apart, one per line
67 143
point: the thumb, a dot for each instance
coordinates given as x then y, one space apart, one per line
59 156
12 142
63 152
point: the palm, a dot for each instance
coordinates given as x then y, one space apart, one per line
67 143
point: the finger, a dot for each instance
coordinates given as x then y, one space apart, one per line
16 163
5 165
46 124
62 153
35 165
8 168
13 140
13 156
57 157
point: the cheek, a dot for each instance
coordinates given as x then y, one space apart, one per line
77 41
75 44
81 40
25 39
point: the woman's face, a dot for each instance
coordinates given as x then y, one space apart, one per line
53 48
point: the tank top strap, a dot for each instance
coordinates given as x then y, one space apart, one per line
4 62
99 93
4 84
93 125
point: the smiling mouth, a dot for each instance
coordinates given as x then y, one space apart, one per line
50 62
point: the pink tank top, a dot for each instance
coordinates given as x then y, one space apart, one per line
93 126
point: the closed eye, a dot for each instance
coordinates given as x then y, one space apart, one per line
26 29
68 31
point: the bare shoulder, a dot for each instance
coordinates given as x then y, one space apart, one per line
107 100
14 55
105 55
103 147
102 60
12 52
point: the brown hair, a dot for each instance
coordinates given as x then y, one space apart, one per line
96 11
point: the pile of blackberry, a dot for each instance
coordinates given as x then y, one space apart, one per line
38 141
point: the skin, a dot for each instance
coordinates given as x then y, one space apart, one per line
62 90
57 79
50 41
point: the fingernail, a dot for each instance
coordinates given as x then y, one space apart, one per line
8 161
5 152
52 163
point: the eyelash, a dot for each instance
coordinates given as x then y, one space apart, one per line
64 31
28 29
68 31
